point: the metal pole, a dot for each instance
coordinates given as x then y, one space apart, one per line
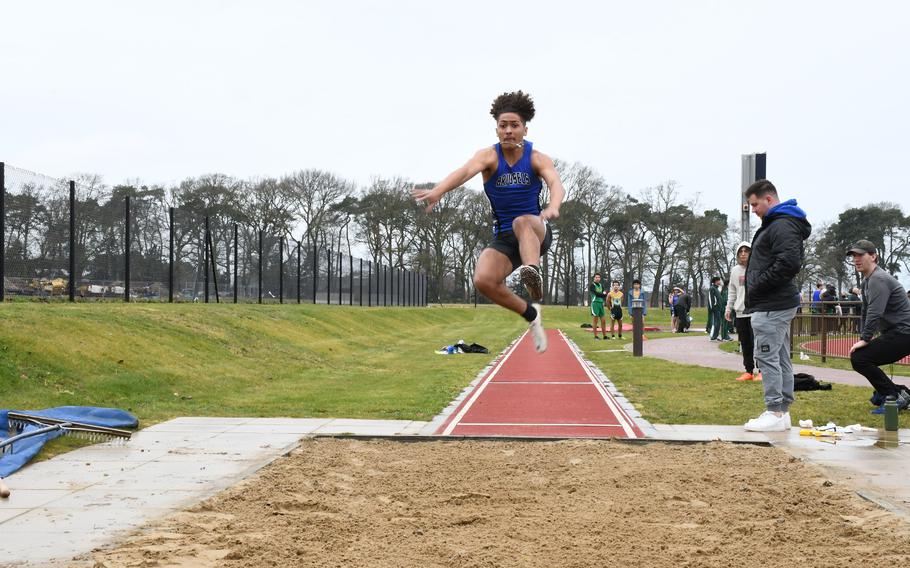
170 256
227 265
328 278
71 286
350 280
754 168
260 266
236 257
281 270
211 249
638 324
2 231
360 280
205 259
369 283
340 281
298 270
126 289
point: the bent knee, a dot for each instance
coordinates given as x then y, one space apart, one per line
484 283
524 222
857 361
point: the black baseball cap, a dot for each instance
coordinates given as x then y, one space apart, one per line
861 246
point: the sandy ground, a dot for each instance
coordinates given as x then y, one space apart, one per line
550 504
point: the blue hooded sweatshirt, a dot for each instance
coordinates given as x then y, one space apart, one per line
777 257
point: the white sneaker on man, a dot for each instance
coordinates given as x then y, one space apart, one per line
769 422
538 333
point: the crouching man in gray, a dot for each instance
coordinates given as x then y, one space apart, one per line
772 297
886 310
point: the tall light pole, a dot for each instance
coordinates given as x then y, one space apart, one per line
753 170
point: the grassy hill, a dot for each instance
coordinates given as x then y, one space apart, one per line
160 361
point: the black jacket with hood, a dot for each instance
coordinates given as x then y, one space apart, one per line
776 259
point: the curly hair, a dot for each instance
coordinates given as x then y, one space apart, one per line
518 102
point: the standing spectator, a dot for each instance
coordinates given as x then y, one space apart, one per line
829 300
716 307
886 309
635 293
854 309
614 299
683 305
772 297
736 305
817 297
674 322
724 296
598 297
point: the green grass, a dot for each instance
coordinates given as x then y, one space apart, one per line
160 361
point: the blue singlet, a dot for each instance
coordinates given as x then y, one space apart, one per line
513 191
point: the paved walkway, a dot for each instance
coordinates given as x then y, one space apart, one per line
695 349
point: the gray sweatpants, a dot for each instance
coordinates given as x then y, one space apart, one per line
772 356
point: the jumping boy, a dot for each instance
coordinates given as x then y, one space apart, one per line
512 173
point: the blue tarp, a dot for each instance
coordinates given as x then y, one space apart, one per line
26 449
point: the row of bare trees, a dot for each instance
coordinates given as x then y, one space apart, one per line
657 235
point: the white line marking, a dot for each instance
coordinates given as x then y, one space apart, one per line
476 394
624 420
573 425
542 382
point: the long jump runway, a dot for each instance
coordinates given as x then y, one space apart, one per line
551 395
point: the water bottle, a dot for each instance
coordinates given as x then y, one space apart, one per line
891 421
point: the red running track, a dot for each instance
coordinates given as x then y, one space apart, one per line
551 395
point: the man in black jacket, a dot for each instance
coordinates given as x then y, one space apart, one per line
772 297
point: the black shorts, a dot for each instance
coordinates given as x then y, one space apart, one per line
507 244
616 312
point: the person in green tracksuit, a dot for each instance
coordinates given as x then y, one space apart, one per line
597 304
716 306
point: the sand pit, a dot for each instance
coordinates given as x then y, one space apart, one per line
337 502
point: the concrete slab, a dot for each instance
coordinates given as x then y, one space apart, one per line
89 497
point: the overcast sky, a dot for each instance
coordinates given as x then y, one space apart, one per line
642 92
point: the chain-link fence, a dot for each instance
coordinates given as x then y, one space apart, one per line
68 240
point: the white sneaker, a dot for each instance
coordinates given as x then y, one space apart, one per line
769 422
538 333
532 281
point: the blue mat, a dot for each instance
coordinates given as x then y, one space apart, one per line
26 449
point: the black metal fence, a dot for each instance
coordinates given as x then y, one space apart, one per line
65 240
827 329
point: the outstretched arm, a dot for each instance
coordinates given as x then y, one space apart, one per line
543 165
478 163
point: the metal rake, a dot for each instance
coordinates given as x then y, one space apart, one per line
19 420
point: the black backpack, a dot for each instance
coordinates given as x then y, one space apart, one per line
807 382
